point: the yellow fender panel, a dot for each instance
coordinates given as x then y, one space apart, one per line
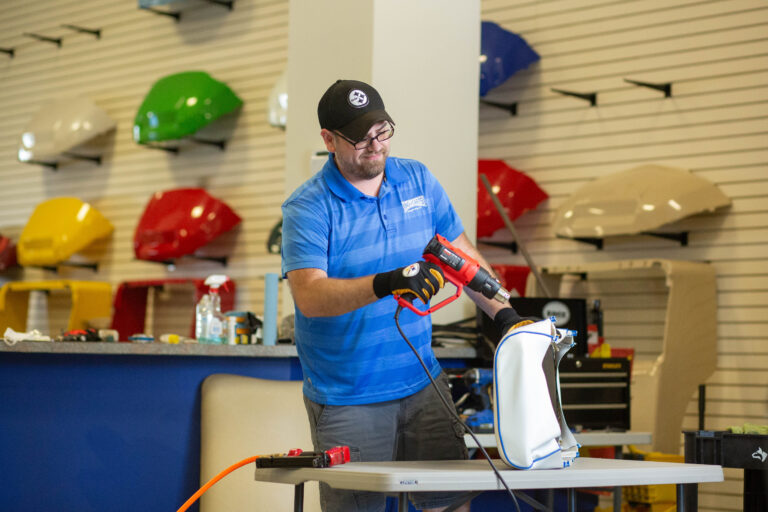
57 229
90 299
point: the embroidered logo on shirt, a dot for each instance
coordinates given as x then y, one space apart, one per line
415 203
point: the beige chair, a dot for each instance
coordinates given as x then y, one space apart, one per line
245 416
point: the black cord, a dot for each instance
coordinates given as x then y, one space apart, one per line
451 409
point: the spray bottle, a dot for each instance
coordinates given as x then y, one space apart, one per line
201 317
215 322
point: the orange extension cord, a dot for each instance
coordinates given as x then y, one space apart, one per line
215 479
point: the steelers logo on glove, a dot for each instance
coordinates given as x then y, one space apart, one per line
421 279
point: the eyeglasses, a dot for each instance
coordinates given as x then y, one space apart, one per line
386 134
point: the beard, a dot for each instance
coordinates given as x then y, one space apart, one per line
364 170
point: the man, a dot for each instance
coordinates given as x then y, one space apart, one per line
353 235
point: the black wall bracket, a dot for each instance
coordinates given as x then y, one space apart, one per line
167 149
512 246
597 242
55 268
74 156
509 107
51 165
176 15
94 32
45 39
222 260
681 237
11 52
583 276
221 144
591 97
666 88
86 158
229 4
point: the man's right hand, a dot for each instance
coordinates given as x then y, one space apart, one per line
422 279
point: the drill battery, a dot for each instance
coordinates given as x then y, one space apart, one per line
298 458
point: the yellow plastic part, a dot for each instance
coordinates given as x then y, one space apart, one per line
660 495
57 229
90 299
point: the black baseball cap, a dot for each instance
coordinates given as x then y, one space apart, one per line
351 107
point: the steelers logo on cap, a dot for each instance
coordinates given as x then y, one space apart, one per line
357 98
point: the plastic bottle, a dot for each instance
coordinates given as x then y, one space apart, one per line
216 324
201 317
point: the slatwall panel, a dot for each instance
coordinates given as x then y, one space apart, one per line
715 53
245 48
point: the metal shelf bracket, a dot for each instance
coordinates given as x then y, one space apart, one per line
591 97
509 107
666 88
94 32
45 39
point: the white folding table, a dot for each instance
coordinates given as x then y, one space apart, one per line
476 475
593 438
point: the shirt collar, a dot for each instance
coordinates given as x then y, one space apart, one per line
346 191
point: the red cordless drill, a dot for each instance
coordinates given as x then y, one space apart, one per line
459 269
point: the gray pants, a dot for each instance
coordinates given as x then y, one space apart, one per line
417 427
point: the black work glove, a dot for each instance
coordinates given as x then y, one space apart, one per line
422 279
507 319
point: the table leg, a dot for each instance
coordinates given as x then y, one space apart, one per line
755 490
298 498
550 501
402 502
681 498
572 500
617 454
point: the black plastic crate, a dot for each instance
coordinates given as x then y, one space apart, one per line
746 451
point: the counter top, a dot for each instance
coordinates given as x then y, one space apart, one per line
187 349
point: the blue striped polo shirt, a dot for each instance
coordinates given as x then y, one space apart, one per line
359 357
